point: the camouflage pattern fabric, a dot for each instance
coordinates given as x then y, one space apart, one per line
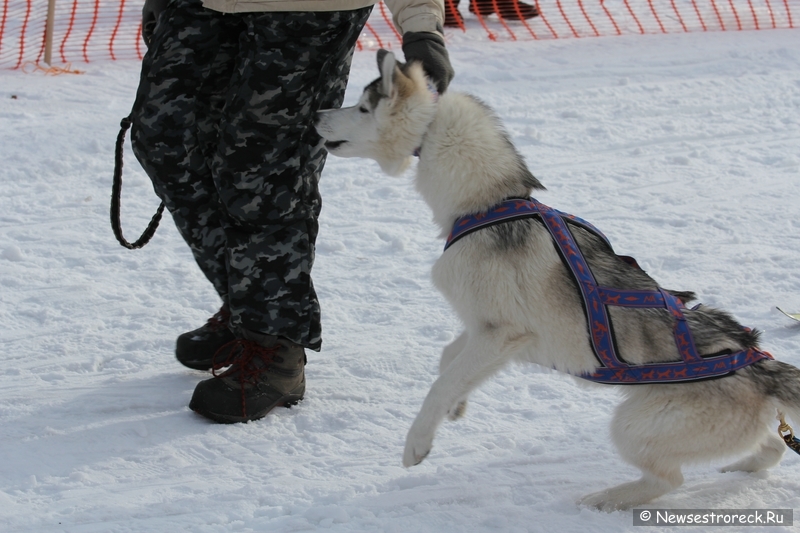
223 125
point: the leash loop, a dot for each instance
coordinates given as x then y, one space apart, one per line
116 193
784 427
787 434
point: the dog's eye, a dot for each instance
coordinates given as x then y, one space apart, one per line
363 109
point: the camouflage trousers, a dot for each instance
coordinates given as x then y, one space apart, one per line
223 126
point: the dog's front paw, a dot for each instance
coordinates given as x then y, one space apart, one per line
458 410
417 449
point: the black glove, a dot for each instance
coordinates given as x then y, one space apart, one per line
429 49
150 12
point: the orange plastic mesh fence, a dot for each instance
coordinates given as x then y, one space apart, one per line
96 30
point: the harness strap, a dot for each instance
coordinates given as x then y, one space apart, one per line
692 366
512 209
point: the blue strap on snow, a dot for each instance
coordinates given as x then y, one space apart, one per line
612 370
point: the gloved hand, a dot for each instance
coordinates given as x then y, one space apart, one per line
429 48
150 12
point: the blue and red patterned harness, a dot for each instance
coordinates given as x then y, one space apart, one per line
611 369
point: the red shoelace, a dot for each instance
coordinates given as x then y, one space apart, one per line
240 356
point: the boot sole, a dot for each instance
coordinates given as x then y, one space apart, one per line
287 401
196 365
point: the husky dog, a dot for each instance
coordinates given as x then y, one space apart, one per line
519 301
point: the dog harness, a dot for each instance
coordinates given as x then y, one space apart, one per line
611 368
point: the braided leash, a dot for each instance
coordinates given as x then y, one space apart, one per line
116 193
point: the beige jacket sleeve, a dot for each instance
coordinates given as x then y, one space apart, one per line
417 15
408 15
249 6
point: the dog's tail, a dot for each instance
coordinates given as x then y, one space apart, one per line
781 382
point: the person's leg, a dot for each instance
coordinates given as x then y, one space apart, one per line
184 80
268 162
266 170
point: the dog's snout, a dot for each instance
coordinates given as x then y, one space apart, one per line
321 119
320 114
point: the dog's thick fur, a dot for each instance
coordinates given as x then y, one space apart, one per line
518 301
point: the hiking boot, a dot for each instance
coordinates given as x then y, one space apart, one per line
507 9
196 349
263 372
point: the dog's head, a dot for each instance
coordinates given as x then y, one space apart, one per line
389 120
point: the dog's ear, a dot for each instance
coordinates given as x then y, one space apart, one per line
387 64
394 83
382 54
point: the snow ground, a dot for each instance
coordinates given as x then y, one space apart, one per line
683 149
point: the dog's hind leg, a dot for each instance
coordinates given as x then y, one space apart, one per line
643 432
628 495
482 356
768 454
449 353
658 428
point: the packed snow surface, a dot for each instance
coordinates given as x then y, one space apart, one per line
683 149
